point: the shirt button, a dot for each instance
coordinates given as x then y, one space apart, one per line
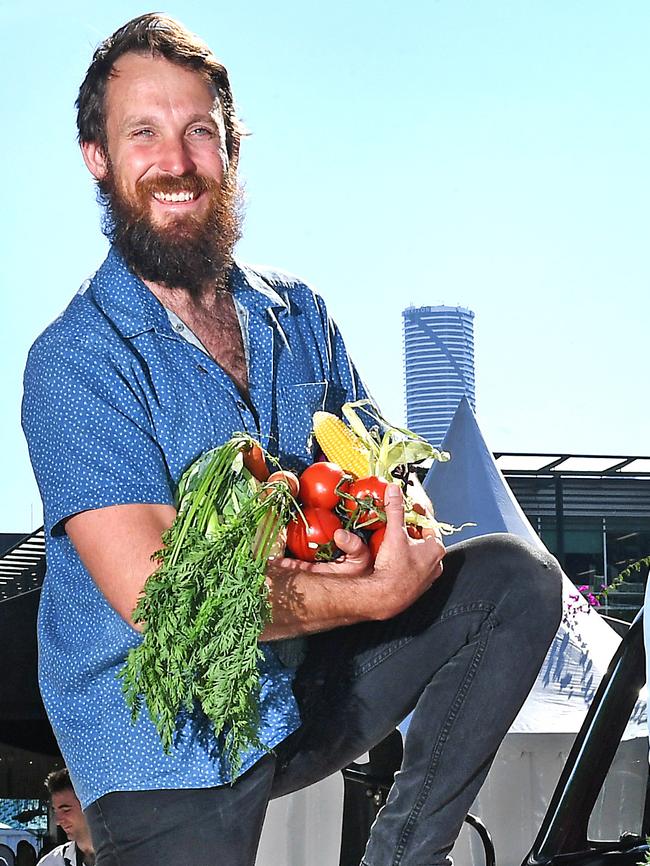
179 327
242 406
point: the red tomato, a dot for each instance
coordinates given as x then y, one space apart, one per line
320 484
376 540
369 495
414 530
315 541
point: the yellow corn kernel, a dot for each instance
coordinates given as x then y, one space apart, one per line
340 445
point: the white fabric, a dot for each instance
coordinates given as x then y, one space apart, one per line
518 789
304 829
62 855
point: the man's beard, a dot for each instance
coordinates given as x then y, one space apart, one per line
185 252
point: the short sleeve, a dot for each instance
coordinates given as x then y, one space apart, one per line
89 432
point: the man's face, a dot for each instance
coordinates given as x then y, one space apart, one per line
170 199
68 814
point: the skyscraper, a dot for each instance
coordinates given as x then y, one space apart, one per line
438 367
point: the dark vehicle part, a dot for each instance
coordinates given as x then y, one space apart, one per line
563 836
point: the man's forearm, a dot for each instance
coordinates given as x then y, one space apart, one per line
304 603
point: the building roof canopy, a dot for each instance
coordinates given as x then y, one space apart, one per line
526 463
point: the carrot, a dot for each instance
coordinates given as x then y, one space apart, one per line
255 463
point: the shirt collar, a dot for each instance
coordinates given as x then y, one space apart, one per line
253 291
134 309
126 300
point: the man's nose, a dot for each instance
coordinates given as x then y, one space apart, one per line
175 157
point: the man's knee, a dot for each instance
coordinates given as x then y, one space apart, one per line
528 578
536 580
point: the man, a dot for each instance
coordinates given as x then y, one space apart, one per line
67 812
170 348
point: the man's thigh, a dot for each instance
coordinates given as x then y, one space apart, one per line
356 685
217 826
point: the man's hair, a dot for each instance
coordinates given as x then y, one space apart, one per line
58 780
157 35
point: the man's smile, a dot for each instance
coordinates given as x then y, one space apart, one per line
168 197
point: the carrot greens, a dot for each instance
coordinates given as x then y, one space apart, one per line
206 604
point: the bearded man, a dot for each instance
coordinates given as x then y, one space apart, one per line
168 350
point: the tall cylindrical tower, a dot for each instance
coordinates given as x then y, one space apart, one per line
438 367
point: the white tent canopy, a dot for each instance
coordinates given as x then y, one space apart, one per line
470 487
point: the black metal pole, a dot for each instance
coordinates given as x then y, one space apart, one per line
559 520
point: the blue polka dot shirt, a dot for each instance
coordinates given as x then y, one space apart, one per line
116 405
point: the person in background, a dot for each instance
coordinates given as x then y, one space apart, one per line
78 851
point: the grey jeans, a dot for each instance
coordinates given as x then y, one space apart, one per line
462 658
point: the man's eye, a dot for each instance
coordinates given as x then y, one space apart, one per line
142 133
201 131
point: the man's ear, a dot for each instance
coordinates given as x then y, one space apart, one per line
95 159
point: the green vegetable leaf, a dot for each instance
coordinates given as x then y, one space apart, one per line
206 605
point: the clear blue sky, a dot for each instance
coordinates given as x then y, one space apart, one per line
492 153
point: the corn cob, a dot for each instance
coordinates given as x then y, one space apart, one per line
341 445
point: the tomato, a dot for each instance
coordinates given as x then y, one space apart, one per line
314 541
369 495
283 476
376 540
414 530
321 485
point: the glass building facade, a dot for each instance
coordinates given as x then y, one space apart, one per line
596 521
438 367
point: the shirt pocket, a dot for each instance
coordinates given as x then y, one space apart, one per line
295 407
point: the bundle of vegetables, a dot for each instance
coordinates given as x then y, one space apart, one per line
348 489
206 604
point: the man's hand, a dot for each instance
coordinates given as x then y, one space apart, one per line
316 596
356 559
405 567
